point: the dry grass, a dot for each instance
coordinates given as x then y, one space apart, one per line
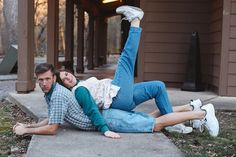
10 144
202 145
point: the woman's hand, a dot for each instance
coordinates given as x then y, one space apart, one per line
111 134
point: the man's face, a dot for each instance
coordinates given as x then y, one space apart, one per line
46 81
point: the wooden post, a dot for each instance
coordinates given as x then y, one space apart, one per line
26 48
52 32
69 35
104 45
102 40
91 42
80 41
96 41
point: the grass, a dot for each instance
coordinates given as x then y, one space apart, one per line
10 144
198 144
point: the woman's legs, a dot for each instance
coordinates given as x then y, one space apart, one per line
194 105
182 108
124 75
177 117
206 115
153 89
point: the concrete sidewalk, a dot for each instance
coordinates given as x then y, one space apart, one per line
72 142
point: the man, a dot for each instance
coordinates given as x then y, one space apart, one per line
62 106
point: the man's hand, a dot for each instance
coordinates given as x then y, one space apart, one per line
19 129
111 134
22 124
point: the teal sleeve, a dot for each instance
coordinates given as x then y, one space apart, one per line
90 108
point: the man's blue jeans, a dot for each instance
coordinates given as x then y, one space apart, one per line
132 94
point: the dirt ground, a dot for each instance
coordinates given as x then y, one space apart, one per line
194 144
198 144
10 144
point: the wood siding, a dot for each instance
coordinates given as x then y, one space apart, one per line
212 55
168 25
231 52
165 43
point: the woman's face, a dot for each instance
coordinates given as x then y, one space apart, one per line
68 79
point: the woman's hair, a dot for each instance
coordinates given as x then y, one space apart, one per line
58 78
44 67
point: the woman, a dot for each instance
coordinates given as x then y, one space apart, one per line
122 93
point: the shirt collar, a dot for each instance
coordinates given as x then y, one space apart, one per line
49 94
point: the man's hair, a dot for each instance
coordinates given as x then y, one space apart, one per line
44 67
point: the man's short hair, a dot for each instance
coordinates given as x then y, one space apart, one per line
44 67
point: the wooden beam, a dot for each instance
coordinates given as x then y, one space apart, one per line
52 32
90 42
96 41
102 42
80 41
69 35
26 48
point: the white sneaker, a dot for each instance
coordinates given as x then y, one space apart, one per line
210 121
130 12
197 104
179 128
197 124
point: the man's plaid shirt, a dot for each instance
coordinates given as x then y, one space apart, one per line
62 105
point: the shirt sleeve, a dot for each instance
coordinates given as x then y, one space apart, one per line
90 108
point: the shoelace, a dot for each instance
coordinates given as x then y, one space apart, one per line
124 18
201 126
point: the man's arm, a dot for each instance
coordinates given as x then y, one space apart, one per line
41 123
37 128
42 130
33 125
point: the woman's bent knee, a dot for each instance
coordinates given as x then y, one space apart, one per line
160 84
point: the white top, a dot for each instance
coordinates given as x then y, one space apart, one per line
101 90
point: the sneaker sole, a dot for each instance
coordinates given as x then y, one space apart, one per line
126 7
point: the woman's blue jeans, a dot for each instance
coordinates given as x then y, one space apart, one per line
132 94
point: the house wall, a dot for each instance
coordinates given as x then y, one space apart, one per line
228 58
211 56
165 43
168 25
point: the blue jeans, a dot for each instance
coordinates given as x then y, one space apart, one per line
123 121
132 94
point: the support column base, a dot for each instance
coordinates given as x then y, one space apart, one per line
25 86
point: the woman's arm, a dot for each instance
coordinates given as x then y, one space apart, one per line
90 108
